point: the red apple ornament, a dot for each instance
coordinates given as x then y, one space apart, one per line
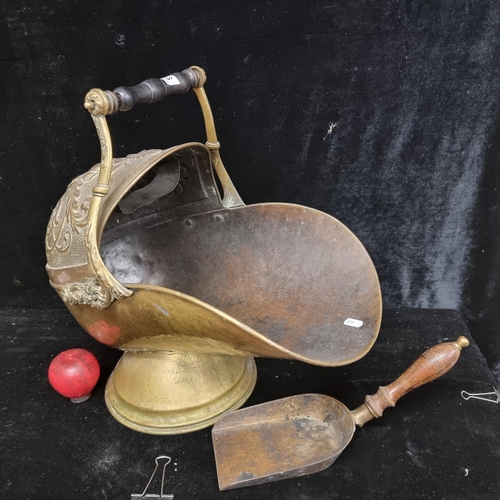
74 373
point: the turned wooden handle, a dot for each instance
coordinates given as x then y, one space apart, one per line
433 363
146 92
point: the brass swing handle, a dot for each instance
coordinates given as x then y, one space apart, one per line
433 363
153 90
101 103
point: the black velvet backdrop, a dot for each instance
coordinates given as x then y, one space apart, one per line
383 114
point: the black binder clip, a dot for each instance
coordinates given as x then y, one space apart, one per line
156 495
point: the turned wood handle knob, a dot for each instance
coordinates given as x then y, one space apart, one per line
433 363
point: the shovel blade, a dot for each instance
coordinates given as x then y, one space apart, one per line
281 439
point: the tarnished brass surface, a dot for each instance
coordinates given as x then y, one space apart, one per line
66 242
107 288
231 197
200 273
258 290
160 392
304 434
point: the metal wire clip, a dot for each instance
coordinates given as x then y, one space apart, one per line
480 395
155 495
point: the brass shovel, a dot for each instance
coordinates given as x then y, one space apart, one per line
304 434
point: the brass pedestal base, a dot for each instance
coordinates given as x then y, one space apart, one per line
164 392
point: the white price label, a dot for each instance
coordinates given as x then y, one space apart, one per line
171 80
353 322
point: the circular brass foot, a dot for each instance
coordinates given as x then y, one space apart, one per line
164 392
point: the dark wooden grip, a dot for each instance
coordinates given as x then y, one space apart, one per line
155 89
433 363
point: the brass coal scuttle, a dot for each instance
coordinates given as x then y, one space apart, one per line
191 283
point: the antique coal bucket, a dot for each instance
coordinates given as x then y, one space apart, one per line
191 283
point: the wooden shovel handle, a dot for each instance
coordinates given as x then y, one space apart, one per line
433 363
